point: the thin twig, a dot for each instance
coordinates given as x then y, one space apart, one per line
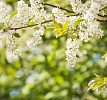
29 25
102 15
55 6
43 3
104 21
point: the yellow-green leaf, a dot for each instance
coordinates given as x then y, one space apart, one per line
31 23
99 77
12 15
105 79
58 28
61 28
65 26
96 85
1 26
77 22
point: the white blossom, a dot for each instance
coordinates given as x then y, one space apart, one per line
89 27
72 20
103 3
13 55
35 13
92 12
36 39
10 43
38 12
89 30
3 12
60 17
72 51
105 56
76 5
21 19
12 52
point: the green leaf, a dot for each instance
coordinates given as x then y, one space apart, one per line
12 15
105 79
65 26
77 22
61 28
99 77
1 26
32 18
17 35
31 23
4 30
96 85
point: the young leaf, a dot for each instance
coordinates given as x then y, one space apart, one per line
65 26
77 22
99 77
96 85
105 79
58 28
61 28
31 23
12 15
1 26
16 35
99 83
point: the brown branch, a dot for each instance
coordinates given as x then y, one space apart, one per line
104 21
43 3
102 15
71 11
29 25
55 6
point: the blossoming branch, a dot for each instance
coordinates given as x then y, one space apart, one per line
84 24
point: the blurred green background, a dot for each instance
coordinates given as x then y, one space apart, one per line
41 73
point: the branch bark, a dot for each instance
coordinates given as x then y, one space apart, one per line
104 21
43 3
71 11
29 25
55 6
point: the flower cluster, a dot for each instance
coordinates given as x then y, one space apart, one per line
91 29
83 24
13 55
72 20
91 24
38 12
36 39
22 17
3 12
88 26
12 51
76 5
72 51
60 17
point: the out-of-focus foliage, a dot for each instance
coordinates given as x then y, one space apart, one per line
41 73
